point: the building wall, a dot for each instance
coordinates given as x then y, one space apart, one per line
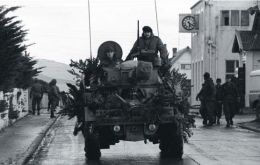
212 45
184 59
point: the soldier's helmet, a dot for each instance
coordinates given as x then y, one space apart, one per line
147 29
206 75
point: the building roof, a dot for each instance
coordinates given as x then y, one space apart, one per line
248 40
195 4
179 54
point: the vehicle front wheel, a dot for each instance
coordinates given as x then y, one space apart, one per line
171 141
92 146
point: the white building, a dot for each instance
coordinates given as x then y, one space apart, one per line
182 62
247 44
212 44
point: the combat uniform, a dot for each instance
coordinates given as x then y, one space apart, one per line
207 97
230 95
152 44
53 98
219 102
36 94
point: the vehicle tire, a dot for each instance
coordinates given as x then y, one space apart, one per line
171 141
92 146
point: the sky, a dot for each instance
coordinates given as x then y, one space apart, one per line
59 29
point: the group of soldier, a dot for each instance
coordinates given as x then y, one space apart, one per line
214 98
36 94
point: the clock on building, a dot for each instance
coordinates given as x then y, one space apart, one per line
188 22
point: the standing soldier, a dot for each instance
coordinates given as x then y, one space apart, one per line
36 94
148 44
203 110
230 96
53 96
257 110
207 95
219 100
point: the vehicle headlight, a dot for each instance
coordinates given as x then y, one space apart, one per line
152 127
116 128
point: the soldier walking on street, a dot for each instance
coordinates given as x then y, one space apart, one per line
203 110
219 100
54 96
36 94
230 96
207 97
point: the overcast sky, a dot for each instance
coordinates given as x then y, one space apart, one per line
59 28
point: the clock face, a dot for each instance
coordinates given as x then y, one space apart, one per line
188 22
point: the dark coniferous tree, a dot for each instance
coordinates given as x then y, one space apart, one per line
16 67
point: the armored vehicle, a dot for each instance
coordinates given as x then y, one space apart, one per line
130 101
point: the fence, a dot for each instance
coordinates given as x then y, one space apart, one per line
13 106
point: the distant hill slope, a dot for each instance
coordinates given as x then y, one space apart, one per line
57 70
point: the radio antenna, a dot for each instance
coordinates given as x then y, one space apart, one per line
157 24
89 30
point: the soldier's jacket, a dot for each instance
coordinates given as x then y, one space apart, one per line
53 93
36 90
153 43
230 91
207 92
219 92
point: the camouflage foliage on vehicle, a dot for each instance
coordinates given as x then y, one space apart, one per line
91 70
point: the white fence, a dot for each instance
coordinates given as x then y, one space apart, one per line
17 106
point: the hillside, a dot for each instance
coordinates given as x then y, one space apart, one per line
57 70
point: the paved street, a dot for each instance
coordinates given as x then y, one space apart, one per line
215 145
224 146
17 140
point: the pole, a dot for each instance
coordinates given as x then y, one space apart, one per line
89 24
155 5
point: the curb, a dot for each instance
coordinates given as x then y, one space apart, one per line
12 123
248 128
36 142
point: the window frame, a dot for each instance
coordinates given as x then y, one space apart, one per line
222 18
183 66
247 18
232 22
243 18
231 74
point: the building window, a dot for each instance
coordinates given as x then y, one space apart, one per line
225 18
231 66
244 18
234 17
185 66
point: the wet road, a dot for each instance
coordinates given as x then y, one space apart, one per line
219 145
215 145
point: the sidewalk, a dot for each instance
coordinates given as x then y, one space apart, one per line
19 140
245 120
251 125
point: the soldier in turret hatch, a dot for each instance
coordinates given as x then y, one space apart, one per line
110 59
148 44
